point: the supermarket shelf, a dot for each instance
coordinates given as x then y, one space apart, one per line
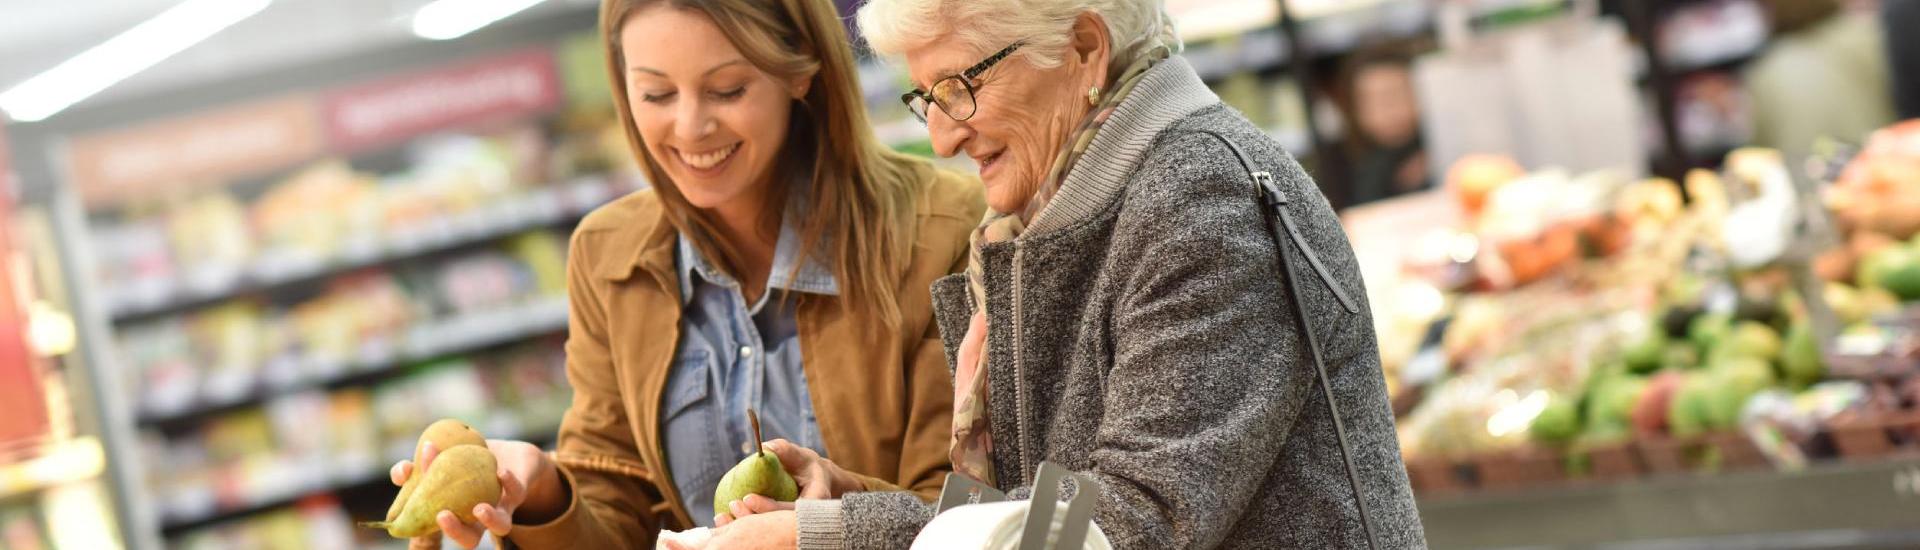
359 482
1337 34
471 334
1833 506
70 461
1726 63
556 205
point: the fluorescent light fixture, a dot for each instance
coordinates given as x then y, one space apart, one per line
122 56
449 19
1201 20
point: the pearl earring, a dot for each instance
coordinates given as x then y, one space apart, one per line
1093 96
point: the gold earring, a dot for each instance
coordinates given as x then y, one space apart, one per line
1093 96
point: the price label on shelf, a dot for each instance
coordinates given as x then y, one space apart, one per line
469 225
360 249
281 372
376 352
589 193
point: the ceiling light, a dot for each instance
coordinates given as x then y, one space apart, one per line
122 56
449 19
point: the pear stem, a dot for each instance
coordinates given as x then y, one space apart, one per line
754 419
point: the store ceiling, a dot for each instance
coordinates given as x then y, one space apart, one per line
36 35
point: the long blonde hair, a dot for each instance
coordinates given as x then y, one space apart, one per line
860 200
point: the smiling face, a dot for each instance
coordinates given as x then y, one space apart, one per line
1022 116
714 122
1024 113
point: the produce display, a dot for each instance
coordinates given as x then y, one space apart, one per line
358 322
285 334
318 441
317 523
1593 327
459 188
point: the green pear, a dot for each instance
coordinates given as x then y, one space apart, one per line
1706 331
758 474
1680 355
1801 362
1648 350
1733 383
1559 423
1691 409
1753 340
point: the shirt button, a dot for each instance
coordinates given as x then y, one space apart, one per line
746 448
746 351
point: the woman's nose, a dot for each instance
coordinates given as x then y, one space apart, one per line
692 121
947 134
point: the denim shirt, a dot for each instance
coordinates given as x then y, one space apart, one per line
733 355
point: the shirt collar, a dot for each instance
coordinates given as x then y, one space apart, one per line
812 278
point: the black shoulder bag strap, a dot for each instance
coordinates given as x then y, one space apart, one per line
1273 206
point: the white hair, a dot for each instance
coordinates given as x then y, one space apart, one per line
892 27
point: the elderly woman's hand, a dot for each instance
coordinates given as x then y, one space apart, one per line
774 531
817 477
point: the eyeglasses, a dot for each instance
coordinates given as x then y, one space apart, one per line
954 94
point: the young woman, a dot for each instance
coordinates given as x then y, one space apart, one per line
780 263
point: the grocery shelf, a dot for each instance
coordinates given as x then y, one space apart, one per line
1838 505
469 334
1724 63
370 480
1683 68
550 206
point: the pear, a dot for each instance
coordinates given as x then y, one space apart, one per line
758 474
445 434
1648 350
1707 330
1749 339
1801 362
1690 412
461 477
1557 424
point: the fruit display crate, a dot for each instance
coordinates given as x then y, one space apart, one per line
1839 505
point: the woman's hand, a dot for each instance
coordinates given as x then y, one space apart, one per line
539 498
771 530
818 478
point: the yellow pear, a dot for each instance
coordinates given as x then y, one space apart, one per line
445 434
459 479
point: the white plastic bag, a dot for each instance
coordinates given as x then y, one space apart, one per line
993 526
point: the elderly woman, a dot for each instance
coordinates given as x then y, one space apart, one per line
1125 313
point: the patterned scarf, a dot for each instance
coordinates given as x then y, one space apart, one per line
972 445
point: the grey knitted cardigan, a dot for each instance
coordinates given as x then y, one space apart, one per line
1142 333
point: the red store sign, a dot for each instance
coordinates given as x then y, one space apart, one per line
392 110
